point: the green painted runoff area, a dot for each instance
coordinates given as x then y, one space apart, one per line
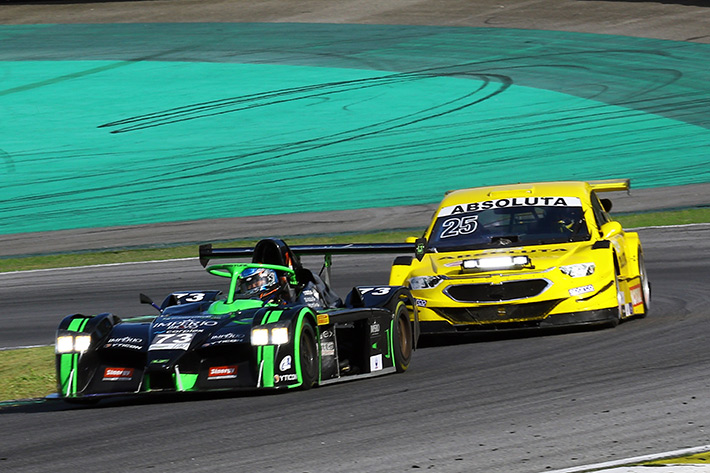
106 125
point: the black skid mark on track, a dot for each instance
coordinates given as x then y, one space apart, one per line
252 101
8 162
231 162
175 179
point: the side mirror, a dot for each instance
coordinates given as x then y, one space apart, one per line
147 300
420 248
606 204
611 229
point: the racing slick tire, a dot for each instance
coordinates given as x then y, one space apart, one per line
402 338
645 286
619 314
308 356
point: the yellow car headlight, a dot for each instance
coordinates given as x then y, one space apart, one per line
425 282
578 270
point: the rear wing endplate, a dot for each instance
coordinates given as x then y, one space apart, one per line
610 185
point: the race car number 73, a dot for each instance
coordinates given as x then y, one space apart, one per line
375 291
171 341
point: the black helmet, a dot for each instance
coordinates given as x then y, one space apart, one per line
258 282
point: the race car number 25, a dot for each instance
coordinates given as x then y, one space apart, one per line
172 341
453 227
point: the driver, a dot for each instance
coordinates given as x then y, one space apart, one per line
264 284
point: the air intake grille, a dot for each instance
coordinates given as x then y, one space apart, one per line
507 291
510 314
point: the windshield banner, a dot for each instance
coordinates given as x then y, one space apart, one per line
513 202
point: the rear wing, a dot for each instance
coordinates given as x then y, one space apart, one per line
610 185
208 252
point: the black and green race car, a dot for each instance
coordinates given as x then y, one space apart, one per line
277 325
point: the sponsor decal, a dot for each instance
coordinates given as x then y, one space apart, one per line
375 329
183 325
327 349
420 302
636 295
278 378
230 336
171 341
375 363
224 338
512 202
323 319
222 372
576 291
131 343
118 374
310 297
285 364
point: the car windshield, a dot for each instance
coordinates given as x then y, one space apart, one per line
460 227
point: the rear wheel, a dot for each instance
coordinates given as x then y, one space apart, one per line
402 338
308 355
645 286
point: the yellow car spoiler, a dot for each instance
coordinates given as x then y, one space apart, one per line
610 185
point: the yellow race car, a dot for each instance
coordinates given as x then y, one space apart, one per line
520 256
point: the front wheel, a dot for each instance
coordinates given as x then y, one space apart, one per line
402 338
308 355
620 300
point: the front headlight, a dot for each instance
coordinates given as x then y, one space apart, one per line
82 343
65 344
495 263
425 282
578 270
265 335
72 343
279 335
260 336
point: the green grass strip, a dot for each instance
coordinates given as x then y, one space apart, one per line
27 373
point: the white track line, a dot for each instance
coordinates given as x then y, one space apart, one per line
629 461
26 346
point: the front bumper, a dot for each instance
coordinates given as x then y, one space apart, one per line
598 317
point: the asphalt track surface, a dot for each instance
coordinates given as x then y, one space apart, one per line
504 404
